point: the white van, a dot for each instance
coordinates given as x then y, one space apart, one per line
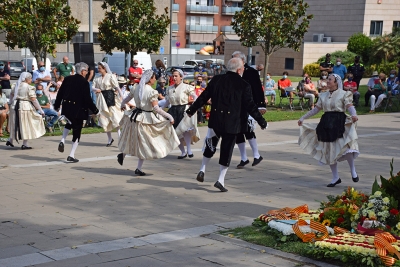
116 61
31 64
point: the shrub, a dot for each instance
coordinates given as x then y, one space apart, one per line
382 67
360 44
346 56
312 69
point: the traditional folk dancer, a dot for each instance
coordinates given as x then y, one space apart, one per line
74 96
232 103
108 100
145 134
334 138
186 127
25 122
251 76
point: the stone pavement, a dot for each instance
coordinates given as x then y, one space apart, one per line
97 213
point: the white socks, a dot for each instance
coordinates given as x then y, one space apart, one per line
204 163
109 137
10 140
182 148
350 160
335 174
188 139
64 135
73 148
25 143
254 147
119 132
140 164
222 173
242 149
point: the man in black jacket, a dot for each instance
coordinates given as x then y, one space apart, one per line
74 96
232 102
251 76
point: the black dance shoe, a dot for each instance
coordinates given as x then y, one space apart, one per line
182 157
256 161
9 144
335 183
72 160
355 179
190 155
139 172
200 177
109 144
242 164
23 147
61 147
120 158
220 187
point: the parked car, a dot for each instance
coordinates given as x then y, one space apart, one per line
15 67
188 71
194 62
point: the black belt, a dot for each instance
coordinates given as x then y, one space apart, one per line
136 112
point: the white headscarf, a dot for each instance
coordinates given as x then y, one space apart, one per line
105 65
180 72
147 74
338 81
21 79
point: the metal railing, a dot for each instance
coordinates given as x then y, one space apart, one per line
230 10
202 28
227 29
175 27
175 7
202 9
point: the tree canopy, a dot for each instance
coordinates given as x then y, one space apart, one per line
360 44
37 25
132 26
272 24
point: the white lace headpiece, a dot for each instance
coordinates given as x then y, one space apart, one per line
21 79
146 76
105 65
338 81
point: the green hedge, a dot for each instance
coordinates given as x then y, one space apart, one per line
382 67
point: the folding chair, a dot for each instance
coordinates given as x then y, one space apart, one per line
287 96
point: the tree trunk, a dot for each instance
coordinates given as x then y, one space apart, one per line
266 62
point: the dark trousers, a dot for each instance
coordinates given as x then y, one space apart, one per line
240 138
76 126
357 81
226 150
367 96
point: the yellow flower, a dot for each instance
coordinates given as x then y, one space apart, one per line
378 193
370 204
386 200
328 222
398 225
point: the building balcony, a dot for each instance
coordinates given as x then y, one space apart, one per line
175 27
230 10
197 9
201 28
175 7
227 30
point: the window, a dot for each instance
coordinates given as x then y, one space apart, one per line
289 63
376 28
396 24
78 38
96 38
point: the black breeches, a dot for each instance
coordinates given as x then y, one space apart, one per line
240 138
76 126
227 145
357 80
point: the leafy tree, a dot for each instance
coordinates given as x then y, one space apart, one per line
37 25
272 24
360 44
132 26
385 47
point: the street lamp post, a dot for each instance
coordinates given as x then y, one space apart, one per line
90 22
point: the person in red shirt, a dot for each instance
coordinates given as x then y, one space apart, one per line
351 85
284 83
135 72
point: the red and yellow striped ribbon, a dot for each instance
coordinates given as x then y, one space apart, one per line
339 230
284 213
310 237
383 245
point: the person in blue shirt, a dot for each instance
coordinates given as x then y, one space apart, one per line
340 69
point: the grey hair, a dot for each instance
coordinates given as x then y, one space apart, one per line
234 64
27 76
240 55
81 66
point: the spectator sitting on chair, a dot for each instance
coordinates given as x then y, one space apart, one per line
323 82
270 86
310 92
379 93
45 105
392 83
370 84
283 84
350 85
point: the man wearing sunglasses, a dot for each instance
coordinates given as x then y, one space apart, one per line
41 75
5 79
135 72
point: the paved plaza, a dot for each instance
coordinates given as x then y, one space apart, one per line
98 213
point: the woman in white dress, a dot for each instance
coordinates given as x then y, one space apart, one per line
186 127
145 134
335 137
108 100
26 123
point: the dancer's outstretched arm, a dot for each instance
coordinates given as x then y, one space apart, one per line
160 111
